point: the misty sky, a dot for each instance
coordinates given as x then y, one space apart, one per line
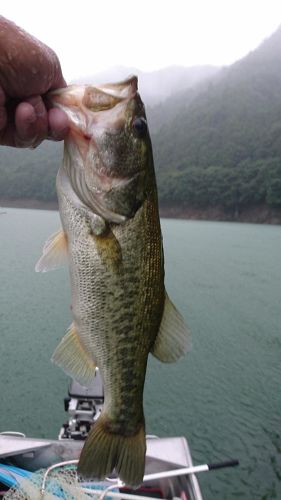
91 35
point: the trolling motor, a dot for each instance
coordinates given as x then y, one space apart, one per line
84 405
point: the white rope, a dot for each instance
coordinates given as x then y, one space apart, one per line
148 477
50 469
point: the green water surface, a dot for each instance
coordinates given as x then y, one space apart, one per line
224 396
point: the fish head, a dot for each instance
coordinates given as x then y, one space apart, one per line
110 160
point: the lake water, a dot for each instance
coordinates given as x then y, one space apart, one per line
224 396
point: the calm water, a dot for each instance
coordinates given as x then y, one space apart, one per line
224 397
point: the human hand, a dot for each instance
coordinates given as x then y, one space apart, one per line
28 70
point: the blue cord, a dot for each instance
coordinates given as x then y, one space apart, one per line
9 473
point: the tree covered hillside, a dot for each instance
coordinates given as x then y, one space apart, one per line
30 174
223 148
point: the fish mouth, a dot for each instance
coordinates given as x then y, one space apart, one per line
94 110
107 95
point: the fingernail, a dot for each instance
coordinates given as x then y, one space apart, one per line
32 142
31 118
37 105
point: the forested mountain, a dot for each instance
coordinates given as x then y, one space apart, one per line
222 146
30 174
216 144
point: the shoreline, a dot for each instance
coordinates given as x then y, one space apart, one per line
256 215
32 204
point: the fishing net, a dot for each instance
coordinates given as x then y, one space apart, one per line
62 484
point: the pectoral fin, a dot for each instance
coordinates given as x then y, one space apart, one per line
54 253
173 339
72 357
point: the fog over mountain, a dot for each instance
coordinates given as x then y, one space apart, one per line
155 86
219 145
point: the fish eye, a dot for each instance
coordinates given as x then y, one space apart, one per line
140 126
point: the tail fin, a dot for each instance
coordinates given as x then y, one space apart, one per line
103 451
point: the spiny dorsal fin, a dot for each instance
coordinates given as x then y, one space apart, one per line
54 253
72 357
174 338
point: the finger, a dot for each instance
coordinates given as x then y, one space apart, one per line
25 125
3 118
41 116
3 112
31 121
58 124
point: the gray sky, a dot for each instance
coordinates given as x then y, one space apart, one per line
91 35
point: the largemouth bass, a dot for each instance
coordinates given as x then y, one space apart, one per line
112 237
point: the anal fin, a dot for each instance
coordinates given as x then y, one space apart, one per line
54 253
72 357
174 338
